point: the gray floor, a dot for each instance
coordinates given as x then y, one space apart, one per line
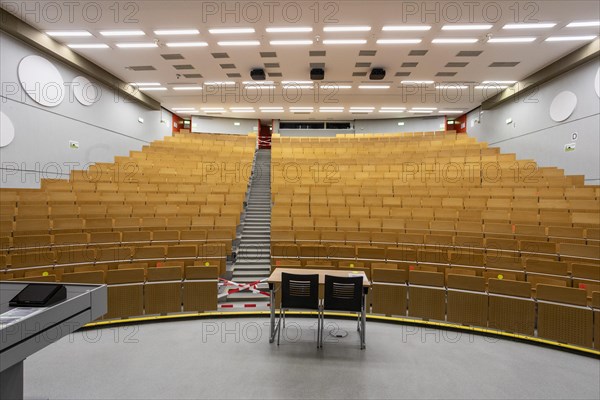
231 358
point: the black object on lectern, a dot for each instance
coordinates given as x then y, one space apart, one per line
39 295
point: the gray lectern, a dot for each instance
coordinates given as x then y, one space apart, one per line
25 330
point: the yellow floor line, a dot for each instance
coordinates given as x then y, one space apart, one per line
382 318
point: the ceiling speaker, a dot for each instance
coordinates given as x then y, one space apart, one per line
258 74
317 74
377 74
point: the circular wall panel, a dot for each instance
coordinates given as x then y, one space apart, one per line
563 106
85 91
597 83
41 81
7 130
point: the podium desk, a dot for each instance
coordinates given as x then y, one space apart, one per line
25 330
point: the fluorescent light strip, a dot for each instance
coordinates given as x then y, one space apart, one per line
420 112
391 28
241 108
450 86
152 88
451 112
273 110
499 82
258 82
297 82
331 108
373 86
167 32
212 109
424 108
220 31
544 25
569 38
136 45
145 84
187 44
183 108
512 40
214 112
344 41
454 40
240 43
346 29
398 41
68 33
490 86
123 33
417 82
187 88
290 42
259 87
393 108
330 111
218 83
473 27
583 24
243 111
88 46
187 111
391 111
334 86
289 29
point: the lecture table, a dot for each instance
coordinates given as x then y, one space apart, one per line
275 279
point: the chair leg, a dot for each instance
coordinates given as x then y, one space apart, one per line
284 320
358 322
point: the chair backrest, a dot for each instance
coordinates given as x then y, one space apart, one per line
343 293
299 291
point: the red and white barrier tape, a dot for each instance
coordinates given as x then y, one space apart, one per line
251 287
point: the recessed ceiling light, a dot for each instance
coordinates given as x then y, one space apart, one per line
151 88
68 33
420 111
454 40
499 82
583 24
220 83
123 33
145 84
569 38
346 29
167 32
424 108
451 112
187 88
470 27
88 46
335 86
258 82
297 82
417 82
344 41
373 86
406 28
290 42
451 86
544 25
512 40
219 31
491 86
289 29
240 43
187 44
398 41
136 45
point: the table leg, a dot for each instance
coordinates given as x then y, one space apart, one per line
364 322
272 298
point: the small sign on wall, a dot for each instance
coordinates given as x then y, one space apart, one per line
570 147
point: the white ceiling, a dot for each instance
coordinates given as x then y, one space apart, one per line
340 60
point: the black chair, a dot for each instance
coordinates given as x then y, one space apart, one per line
345 294
299 292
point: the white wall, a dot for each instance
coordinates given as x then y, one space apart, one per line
427 124
40 148
223 125
534 135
